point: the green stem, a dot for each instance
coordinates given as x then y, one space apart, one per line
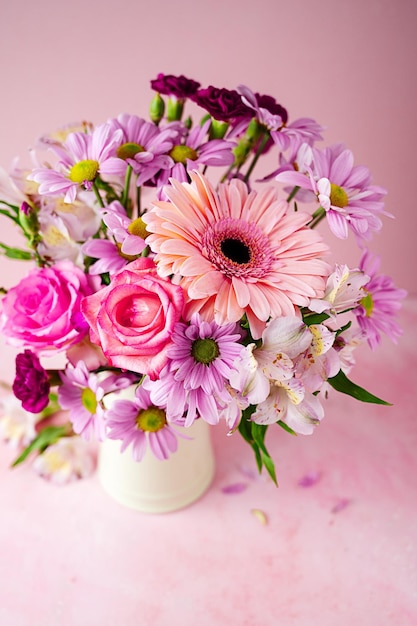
97 194
125 194
317 217
293 193
226 174
256 157
139 199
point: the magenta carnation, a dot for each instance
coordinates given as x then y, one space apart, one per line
222 104
178 86
31 384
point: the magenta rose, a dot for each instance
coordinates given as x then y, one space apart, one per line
42 311
132 319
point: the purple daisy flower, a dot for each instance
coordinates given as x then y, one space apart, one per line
193 149
142 145
344 191
126 241
196 378
381 304
81 393
139 422
31 384
82 157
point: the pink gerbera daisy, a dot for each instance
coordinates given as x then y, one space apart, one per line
81 158
139 422
236 252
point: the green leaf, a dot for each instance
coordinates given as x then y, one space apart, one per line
286 428
46 437
315 318
16 253
259 432
341 383
270 467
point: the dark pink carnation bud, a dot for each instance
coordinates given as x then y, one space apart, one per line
25 208
31 384
178 86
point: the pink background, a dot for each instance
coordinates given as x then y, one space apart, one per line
71 556
350 65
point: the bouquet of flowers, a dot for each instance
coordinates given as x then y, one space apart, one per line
209 294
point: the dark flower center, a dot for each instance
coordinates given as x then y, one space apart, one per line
205 350
235 250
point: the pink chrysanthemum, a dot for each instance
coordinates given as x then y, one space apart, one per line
139 422
236 252
194 380
343 190
81 158
192 149
381 304
142 145
124 242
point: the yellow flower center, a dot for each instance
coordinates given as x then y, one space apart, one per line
138 228
128 150
84 171
89 400
204 350
128 257
338 196
180 154
368 304
151 419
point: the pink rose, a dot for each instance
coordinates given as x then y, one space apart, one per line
132 319
43 310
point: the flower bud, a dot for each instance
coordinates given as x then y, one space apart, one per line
174 109
218 129
157 109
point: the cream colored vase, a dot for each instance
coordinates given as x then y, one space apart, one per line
154 486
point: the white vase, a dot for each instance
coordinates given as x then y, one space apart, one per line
154 486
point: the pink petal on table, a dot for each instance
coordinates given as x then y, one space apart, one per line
234 488
310 479
340 505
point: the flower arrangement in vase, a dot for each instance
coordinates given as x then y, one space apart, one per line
160 263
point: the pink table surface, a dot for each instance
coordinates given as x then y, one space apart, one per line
342 551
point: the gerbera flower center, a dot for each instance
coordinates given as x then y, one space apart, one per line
205 350
368 304
338 196
128 150
235 250
180 154
84 171
89 400
151 419
238 248
138 228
